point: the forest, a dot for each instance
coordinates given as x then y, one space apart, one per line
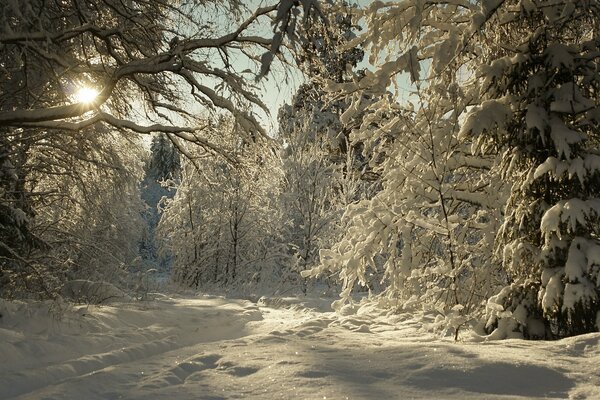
436 156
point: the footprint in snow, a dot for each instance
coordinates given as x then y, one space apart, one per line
362 329
312 374
178 374
241 371
209 360
275 339
311 330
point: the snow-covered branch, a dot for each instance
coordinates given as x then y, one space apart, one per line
119 61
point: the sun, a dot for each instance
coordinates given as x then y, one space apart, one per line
86 95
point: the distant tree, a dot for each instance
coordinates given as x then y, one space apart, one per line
162 174
221 224
310 195
149 62
164 158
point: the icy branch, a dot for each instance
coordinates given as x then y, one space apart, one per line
162 63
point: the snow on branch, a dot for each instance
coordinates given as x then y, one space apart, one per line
111 120
118 60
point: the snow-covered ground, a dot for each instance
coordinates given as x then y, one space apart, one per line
209 347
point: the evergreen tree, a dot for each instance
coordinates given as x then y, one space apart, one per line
539 103
164 159
162 174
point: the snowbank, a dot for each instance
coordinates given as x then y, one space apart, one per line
209 347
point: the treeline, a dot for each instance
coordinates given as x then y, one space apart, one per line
459 176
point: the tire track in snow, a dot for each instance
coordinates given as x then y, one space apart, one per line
220 324
56 374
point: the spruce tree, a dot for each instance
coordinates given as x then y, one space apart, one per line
540 105
162 172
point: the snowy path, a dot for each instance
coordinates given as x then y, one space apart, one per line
214 348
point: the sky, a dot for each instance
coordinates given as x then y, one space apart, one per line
278 87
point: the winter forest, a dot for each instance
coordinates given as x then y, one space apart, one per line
416 175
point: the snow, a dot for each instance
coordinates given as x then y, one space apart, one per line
559 55
491 114
537 118
92 292
569 99
189 346
573 212
577 166
563 137
552 292
575 293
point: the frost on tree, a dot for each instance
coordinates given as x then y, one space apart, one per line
322 169
70 167
511 79
221 226
162 173
428 234
538 102
16 238
57 185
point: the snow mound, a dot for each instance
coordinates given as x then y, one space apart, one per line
211 347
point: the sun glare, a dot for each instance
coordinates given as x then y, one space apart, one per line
86 95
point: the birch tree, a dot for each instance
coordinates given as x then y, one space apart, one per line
221 226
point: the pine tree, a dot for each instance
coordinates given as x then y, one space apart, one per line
540 104
162 173
164 160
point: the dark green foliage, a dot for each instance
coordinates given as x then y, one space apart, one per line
551 232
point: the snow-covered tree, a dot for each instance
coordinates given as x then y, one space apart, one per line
322 169
154 52
164 160
221 224
517 79
17 241
71 72
538 102
429 232
310 196
162 172
85 211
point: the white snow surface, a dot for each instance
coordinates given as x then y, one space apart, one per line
210 347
